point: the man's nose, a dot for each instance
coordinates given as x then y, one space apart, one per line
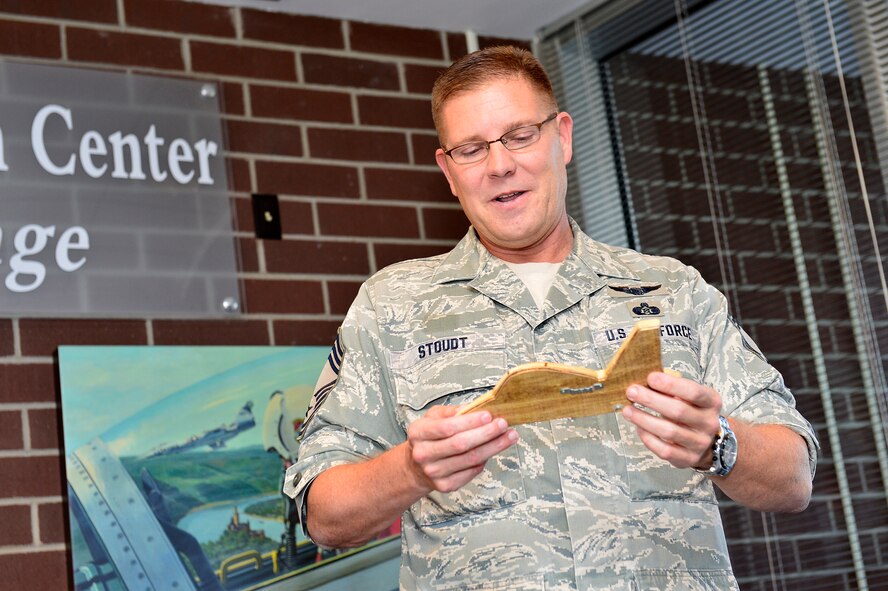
500 160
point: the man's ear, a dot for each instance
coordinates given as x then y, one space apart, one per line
565 133
443 161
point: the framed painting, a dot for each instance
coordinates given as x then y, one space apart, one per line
174 460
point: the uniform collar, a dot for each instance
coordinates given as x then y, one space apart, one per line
586 270
466 260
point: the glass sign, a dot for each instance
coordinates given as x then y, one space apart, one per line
113 196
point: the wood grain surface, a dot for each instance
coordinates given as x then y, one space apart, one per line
544 391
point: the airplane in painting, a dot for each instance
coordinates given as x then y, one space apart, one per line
213 438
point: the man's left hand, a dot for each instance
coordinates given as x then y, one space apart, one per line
683 432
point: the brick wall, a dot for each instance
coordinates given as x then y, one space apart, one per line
333 116
807 551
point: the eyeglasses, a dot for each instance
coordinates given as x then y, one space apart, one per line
516 139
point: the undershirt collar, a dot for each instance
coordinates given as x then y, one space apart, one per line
538 277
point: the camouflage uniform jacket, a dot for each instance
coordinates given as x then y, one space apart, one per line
576 503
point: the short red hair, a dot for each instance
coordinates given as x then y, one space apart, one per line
480 67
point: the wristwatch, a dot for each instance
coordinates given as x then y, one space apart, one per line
724 451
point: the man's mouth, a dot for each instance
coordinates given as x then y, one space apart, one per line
506 197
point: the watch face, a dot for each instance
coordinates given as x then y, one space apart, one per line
729 452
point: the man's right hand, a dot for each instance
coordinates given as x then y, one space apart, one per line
350 503
447 451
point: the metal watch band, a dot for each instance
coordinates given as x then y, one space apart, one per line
725 436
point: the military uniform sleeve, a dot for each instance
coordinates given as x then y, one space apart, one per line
752 390
356 419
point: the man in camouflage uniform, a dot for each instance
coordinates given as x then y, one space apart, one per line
604 502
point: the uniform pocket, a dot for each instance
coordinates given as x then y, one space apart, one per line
651 478
648 476
452 379
528 583
700 580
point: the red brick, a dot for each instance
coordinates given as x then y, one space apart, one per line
739 140
283 297
102 11
263 138
387 254
444 224
421 78
296 218
296 178
669 200
652 132
313 256
793 112
831 306
30 39
52 518
233 98
755 205
353 144
236 60
634 98
249 256
293 29
45 428
653 166
35 570
342 294
815 209
7 346
486 41
842 341
16 530
29 382
765 270
732 171
11 432
424 148
782 339
816 518
844 373
395 112
320 333
456 45
367 220
239 175
43 336
127 49
754 237
732 77
718 269
817 239
823 553
413 185
291 103
663 69
770 305
181 17
243 214
394 40
210 332
727 106
346 71
38 476
656 234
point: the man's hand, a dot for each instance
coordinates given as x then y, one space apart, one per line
771 473
447 451
350 503
688 422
